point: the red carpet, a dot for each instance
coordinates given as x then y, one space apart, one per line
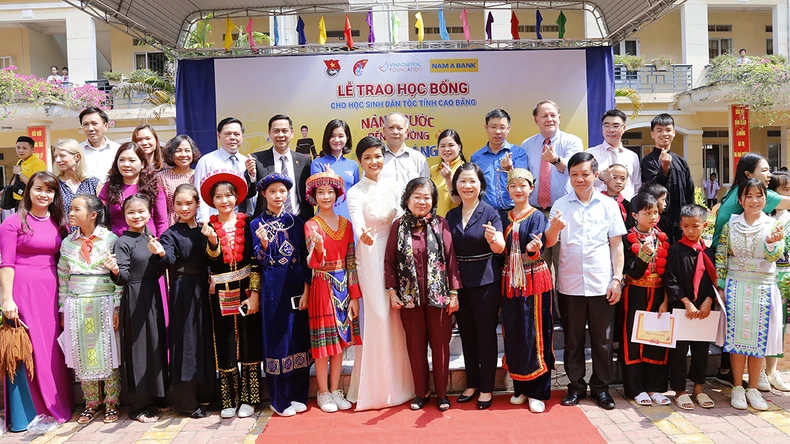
502 423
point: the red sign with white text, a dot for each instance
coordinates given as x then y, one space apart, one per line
39 135
740 133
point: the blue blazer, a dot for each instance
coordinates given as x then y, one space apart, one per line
477 264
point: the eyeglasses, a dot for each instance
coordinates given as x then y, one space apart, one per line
501 129
614 127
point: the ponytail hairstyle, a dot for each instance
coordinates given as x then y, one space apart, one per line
95 205
186 188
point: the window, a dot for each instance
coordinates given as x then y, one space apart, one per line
717 47
342 36
543 28
719 28
627 47
774 156
769 46
716 159
769 28
5 62
155 61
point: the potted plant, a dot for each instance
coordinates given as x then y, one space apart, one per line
663 62
113 77
632 63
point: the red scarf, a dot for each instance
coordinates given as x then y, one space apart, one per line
704 264
87 247
619 199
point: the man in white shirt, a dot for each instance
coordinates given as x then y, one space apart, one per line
711 187
230 133
742 59
99 151
588 227
612 151
401 163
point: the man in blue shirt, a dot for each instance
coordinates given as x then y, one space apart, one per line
497 158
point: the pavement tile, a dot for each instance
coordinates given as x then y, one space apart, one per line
693 438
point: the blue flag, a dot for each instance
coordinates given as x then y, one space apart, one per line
276 32
443 26
538 21
300 30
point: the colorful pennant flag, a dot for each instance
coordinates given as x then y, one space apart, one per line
538 21
443 26
561 20
347 34
514 26
489 22
371 33
321 32
300 30
420 27
395 28
228 33
276 32
250 33
465 22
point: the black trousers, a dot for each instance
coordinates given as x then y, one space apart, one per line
644 377
477 315
598 315
679 370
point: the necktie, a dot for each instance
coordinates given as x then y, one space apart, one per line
234 161
704 264
87 247
284 170
544 184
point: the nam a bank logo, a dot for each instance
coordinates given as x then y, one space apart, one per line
454 65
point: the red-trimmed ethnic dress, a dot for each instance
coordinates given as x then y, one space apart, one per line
644 366
527 313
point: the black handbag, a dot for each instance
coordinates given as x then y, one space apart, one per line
15 185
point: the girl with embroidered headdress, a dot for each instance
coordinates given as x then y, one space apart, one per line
235 282
333 306
279 248
90 306
527 312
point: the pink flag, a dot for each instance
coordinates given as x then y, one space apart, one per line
465 22
249 34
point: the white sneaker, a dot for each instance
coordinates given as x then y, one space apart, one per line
756 399
536 406
340 400
325 402
778 382
287 412
245 411
518 400
298 406
228 413
738 400
762 382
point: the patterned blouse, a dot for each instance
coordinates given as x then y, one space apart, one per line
87 186
78 278
169 181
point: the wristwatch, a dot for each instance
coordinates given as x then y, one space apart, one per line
556 161
619 278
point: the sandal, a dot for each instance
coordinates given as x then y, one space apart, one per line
88 415
110 415
660 399
704 401
643 399
146 418
684 402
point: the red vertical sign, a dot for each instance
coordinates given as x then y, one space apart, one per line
740 133
39 135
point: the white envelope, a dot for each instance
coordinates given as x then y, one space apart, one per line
700 330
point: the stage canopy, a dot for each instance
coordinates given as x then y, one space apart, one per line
169 22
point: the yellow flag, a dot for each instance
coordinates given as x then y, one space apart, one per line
321 31
229 27
420 28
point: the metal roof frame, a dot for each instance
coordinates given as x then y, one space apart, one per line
166 23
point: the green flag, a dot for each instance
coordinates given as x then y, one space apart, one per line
561 22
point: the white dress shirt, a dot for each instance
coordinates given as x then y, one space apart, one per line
565 145
217 160
278 167
409 164
99 160
607 155
585 262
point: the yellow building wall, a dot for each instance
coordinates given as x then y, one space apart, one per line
13 43
663 37
123 50
748 29
46 53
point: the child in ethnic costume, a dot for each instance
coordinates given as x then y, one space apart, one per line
182 251
690 284
233 293
618 177
279 248
143 339
749 246
90 306
780 182
333 306
645 249
527 312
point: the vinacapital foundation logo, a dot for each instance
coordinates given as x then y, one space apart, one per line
401 67
332 67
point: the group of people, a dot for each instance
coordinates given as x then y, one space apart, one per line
163 279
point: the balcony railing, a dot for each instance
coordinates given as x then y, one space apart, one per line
649 80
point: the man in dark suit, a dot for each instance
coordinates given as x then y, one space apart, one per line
280 159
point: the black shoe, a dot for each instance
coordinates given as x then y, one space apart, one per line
482 405
572 398
604 400
443 403
418 403
201 412
462 399
725 378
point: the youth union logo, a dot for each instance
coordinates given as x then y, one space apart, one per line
332 67
359 66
